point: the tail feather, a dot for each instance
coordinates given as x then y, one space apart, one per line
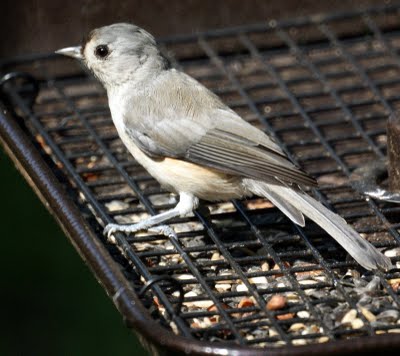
267 191
361 250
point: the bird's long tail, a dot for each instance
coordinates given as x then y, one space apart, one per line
295 203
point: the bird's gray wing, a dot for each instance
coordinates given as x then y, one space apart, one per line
187 121
218 149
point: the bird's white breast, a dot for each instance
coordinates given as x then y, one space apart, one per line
116 102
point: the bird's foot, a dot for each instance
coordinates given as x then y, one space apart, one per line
111 229
165 230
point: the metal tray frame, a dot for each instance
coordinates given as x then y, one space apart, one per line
38 173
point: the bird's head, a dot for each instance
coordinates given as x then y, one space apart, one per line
119 53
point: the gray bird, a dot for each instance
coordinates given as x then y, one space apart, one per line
196 146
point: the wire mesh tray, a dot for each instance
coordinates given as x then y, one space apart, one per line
240 277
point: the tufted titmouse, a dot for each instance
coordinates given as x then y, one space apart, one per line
193 144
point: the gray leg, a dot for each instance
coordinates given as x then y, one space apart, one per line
187 203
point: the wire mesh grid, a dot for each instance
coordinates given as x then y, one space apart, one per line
240 271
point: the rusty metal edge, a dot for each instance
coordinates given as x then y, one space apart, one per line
153 336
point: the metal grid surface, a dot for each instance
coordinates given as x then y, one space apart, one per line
323 87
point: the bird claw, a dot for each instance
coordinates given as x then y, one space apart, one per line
111 229
165 230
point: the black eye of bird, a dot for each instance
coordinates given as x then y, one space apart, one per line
101 51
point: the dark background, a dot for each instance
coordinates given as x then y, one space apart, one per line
50 302
45 25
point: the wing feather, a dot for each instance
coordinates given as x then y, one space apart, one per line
183 119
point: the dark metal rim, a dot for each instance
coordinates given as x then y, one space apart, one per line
157 339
